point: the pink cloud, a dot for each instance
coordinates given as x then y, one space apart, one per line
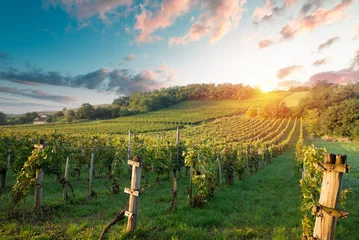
320 62
319 17
290 2
148 22
165 72
342 76
286 84
270 9
26 82
265 43
284 72
265 10
83 9
328 43
216 20
356 32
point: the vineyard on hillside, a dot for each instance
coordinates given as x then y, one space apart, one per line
185 113
85 171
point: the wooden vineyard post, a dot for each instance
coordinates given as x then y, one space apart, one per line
91 175
220 173
134 192
190 182
334 167
6 171
66 179
177 151
9 160
129 151
39 179
174 195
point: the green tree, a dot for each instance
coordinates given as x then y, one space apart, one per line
86 111
3 118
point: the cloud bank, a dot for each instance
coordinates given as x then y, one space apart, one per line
270 9
313 16
342 76
121 81
38 94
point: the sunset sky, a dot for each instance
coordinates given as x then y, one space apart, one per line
62 53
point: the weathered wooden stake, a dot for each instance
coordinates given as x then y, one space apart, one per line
220 173
129 151
134 192
177 150
38 189
327 215
8 161
190 181
39 179
66 179
7 170
91 174
174 195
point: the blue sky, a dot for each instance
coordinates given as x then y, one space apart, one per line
62 53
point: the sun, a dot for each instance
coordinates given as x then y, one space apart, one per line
268 86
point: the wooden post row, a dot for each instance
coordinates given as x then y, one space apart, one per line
334 167
134 192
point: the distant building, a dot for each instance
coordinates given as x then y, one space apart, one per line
41 120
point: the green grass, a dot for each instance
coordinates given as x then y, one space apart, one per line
294 99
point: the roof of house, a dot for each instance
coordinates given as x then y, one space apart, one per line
43 118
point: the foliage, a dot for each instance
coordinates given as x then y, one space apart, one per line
310 186
86 111
278 110
299 148
26 178
3 120
331 109
252 112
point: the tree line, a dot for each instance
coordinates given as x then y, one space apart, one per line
331 109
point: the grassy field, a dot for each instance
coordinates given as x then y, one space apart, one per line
294 99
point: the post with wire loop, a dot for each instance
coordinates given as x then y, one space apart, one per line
327 214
